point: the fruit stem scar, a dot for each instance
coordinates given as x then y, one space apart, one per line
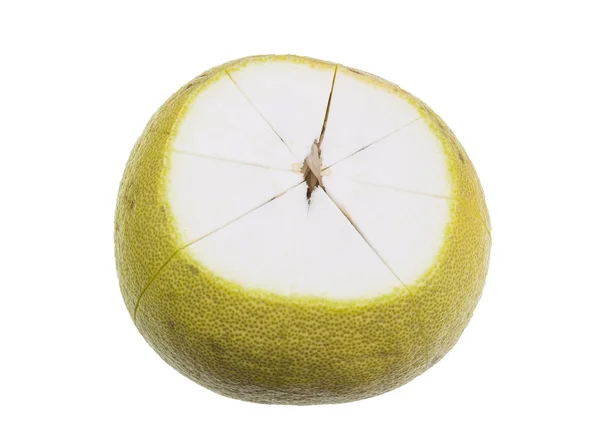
312 169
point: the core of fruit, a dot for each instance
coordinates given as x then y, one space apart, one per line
294 231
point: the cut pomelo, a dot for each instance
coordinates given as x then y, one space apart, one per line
290 230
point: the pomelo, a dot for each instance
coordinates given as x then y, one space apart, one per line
294 231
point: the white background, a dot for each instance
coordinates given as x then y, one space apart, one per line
518 82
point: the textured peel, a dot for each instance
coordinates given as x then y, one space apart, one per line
263 347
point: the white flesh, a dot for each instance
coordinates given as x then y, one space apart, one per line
291 97
240 200
361 114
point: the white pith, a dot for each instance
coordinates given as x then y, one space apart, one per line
239 196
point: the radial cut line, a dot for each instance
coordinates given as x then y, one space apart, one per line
232 161
373 142
324 127
260 113
420 193
412 298
401 190
145 289
312 163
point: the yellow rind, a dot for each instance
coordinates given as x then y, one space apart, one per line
262 347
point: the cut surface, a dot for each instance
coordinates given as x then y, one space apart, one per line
221 123
308 180
361 113
291 97
406 236
411 160
207 193
288 247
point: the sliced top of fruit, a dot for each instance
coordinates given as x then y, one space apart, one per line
308 178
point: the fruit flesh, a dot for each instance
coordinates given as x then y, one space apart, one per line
257 342
380 173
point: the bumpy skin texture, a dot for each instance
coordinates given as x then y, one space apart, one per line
262 347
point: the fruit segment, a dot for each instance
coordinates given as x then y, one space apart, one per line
361 113
406 230
291 97
412 159
291 247
257 250
334 261
221 123
206 194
